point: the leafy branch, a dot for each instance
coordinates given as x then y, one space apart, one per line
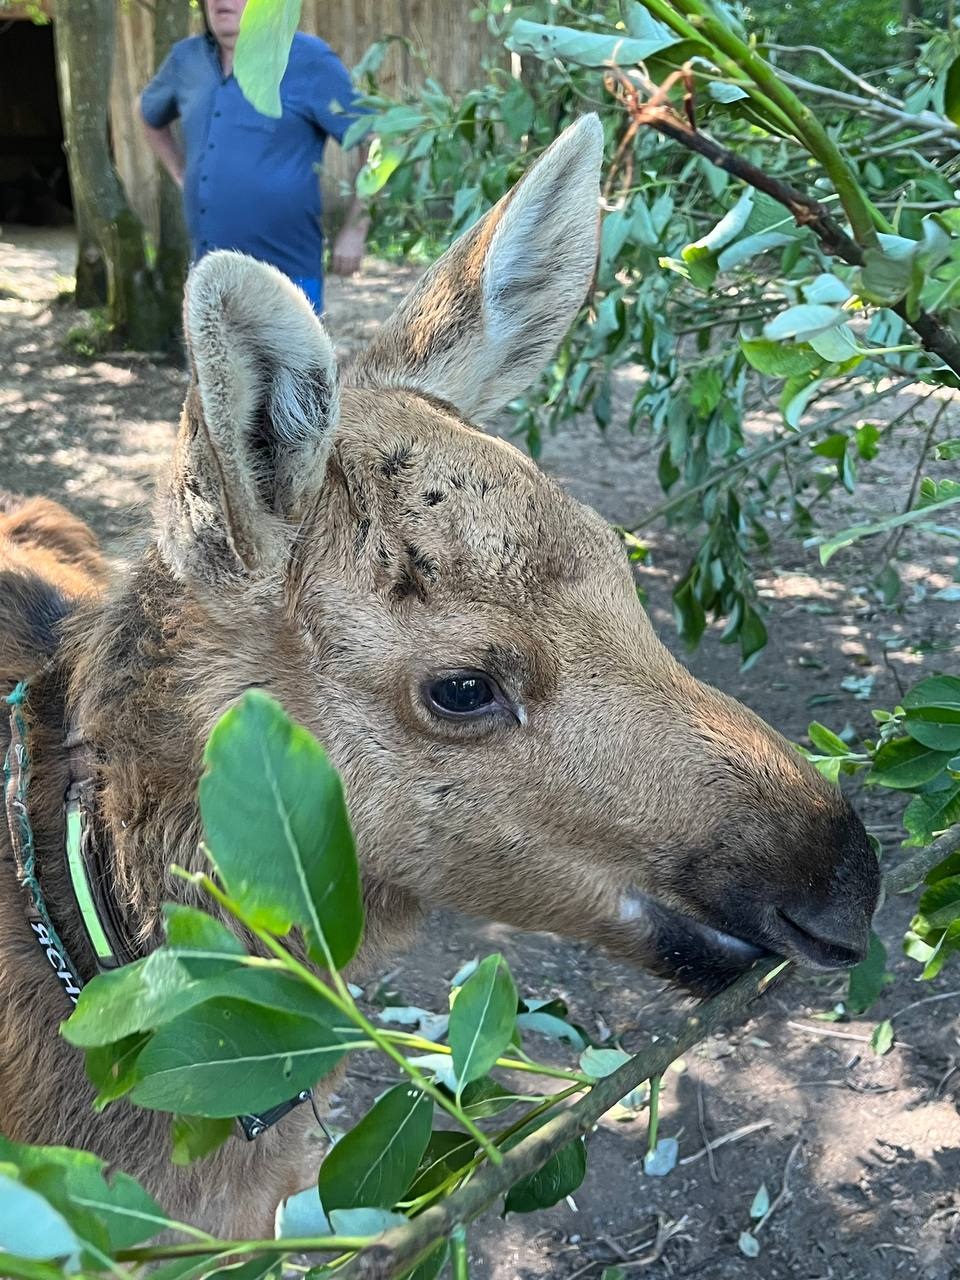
657 113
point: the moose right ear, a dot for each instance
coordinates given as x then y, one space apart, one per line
257 422
489 314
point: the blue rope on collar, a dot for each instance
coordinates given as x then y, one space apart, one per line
18 695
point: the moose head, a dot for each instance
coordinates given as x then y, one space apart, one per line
465 638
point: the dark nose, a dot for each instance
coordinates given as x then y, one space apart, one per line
831 937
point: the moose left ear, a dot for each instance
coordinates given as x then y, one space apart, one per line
488 315
257 423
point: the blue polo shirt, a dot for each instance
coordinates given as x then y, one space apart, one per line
251 182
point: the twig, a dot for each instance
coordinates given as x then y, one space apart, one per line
614 1248
701 1121
894 672
733 1136
666 1230
936 126
828 1032
889 548
786 1195
944 995
865 85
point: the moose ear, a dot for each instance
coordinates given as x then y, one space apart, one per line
257 421
489 314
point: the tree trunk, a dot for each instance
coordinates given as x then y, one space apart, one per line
171 23
84 34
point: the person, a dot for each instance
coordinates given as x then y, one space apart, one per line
249 181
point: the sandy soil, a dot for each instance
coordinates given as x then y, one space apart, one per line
875 1141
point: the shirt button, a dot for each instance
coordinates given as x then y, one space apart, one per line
203 209
210 146
203 177
216 115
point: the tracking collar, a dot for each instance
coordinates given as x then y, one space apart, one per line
88 877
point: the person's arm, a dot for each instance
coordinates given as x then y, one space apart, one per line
166 148
159 107
351 240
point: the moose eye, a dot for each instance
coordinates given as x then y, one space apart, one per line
469 693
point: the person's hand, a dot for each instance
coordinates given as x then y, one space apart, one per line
348 250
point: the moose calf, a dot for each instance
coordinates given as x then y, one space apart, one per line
463 637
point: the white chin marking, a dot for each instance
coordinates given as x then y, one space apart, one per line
631 908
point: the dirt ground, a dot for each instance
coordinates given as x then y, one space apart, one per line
872 1143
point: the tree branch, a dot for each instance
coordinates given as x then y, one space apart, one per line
397 1249
907 875
401 1247
807 212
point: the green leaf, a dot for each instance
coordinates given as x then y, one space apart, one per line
230 1057
302 1215
482 1019
130 1000
189 930
940 904
722 92
761 1202
374 1163
903 763
795 396
484 1097
585 48
826 741
431 1266
121 1213
383 162
748 1244
887 273
23 1269
447 1152
951 92
118 1003
559 1177
779 359
752 634
867 437
826 289
195 1137
868 977
267 28
803 321
933 712
32 1228
112 1068
547 1024
835 345
365 1221
882 1039
277 828
602 1062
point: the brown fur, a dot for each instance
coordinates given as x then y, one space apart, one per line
343 551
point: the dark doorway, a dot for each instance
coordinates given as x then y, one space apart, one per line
34 185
